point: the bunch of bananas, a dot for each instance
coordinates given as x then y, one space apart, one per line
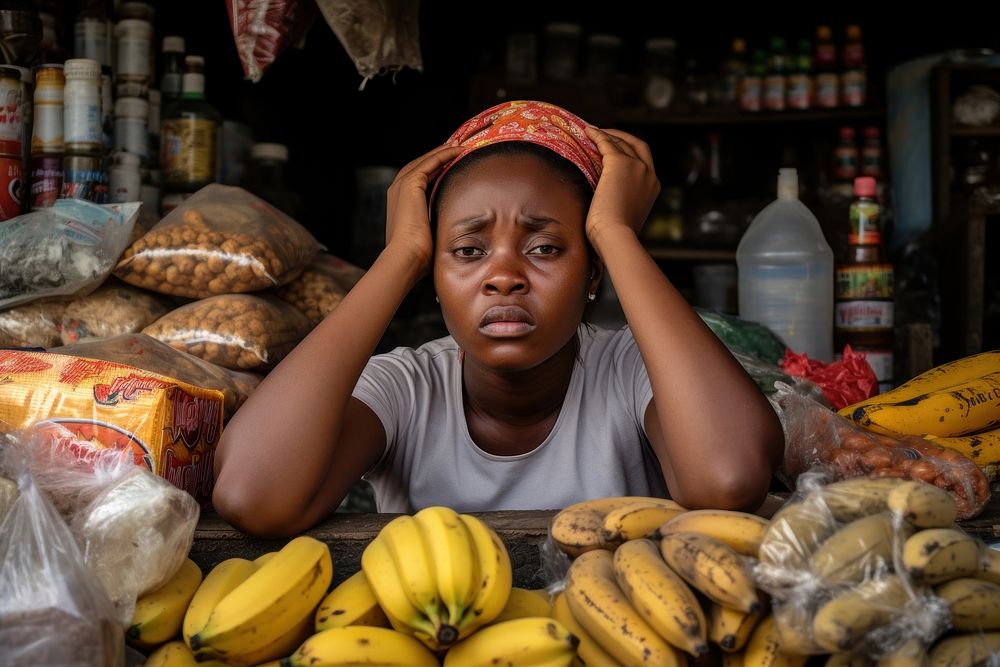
956 405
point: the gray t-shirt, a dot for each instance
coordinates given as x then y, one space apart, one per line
597 447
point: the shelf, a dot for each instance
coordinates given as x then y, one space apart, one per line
690 254
974 132
642 116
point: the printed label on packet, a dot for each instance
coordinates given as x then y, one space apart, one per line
864 315
864 281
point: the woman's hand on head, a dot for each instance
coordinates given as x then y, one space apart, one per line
628 185
407 225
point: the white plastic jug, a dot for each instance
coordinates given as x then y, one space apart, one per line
785 273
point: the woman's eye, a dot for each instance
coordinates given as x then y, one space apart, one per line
544 250
468 251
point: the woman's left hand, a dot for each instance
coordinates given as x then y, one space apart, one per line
628 185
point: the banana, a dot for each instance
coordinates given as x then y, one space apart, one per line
734 659
967 407
923 505
609 503
495 577
939 377
520 642
712 568
938 554
351 602
263 558
856 498
793 620
764 649
971 650
580 527
524 603
280 647
638 519
270 603
217 584
848 660
177 654
860 550
981 448
740 530
730 629
417 573
841 623
911 653
361 645
600 606
974 603
453 556
660 596
989 565
796 530
380 570
159 613
588 651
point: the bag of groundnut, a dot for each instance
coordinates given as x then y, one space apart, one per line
221 240
321 287
236 331
817 438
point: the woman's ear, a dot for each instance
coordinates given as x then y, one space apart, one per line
596 273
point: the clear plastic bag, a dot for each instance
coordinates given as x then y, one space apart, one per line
113 308
147 353
36 324
263 29
237 331
321 287
53 611
221 240
816 437
379 35
67 249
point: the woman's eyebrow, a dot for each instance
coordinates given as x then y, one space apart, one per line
536 224
472 225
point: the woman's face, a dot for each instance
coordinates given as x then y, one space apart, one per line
511 265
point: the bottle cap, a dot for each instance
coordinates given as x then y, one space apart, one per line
135 28
126 159
847 133
269 152
194 64
823 32
872 133
788 183
82 68
173 44
864 186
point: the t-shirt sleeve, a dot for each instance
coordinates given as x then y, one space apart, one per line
386 386
631 375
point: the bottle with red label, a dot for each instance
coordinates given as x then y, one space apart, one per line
827 79
871 153
863 289
846 158
854 79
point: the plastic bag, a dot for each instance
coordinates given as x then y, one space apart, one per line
112 309
221 240
379 35
147 353
134 528
816 437
263 29
53 611
745 337
237 331
66 249
844 382
36 324
321 287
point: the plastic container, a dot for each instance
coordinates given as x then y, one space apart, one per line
785 273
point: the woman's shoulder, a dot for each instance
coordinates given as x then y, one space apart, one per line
599 340
435 352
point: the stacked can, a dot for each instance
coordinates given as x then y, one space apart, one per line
84 173
47 136
11 141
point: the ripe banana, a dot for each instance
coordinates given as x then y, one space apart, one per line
734 659
660 596
217 584
923 505
588 651
495 577
911 653
417 573
982 448
989 565
938 554
740 530
361 645
852 499
453 556
972 650
280 647
848 660
351 602
968 407
764 649
580 527
528 642
939 377
795 531
524 603
842 623
712 568
600 606
974 603
380 570
860 550
159 613
263 558
638 519
270 603
177 654
730 629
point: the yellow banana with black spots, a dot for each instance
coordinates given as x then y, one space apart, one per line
495 577
220 581
380 570
923 505
159 614
935 555
351 602
859 550
742 531
974 603
453 557
638 519
417 574
361 645
522 642
712 568
730 629
981 448
965 650
525 603
177 654
763 649
580 527
588 651
843 622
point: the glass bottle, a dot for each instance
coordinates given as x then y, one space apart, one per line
188 147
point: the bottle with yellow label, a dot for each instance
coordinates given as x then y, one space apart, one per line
188 136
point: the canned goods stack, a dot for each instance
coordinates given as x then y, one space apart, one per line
47 145
84 173
11 141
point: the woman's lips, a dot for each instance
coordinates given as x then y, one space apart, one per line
506 321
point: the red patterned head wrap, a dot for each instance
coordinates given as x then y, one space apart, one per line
525 120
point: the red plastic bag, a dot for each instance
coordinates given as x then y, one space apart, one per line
844 382
264 28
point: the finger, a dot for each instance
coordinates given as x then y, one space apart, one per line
640 147
609 143
432 161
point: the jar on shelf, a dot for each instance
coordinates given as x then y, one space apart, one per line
660 72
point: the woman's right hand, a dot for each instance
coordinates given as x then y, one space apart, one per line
407 223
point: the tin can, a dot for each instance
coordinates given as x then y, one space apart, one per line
11 110
46 180
47 133
84 177
11 187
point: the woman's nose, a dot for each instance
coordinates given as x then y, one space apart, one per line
505 276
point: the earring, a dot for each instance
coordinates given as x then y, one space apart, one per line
437 299
591 296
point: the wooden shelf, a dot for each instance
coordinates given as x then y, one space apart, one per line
642 116
690 254
975 132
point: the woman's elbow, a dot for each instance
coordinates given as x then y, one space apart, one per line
744 488
245 512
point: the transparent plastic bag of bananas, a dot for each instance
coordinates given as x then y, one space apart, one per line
819 438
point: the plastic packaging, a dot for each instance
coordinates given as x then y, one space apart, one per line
321 287
110 310
67 249
149 354
221 240
37 324
844 382
263 29
237 331
380 36
786 273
